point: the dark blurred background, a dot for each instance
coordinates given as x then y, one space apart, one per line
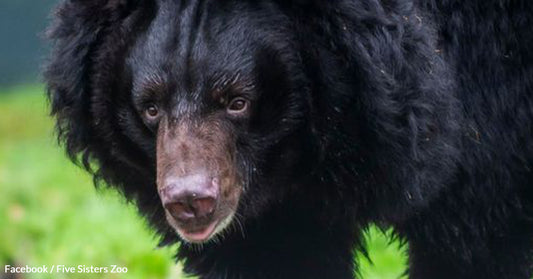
22 44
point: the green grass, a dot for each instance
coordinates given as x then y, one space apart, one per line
51 214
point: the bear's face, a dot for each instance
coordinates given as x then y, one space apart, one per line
219 99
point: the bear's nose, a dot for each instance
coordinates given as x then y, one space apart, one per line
187 207
190 197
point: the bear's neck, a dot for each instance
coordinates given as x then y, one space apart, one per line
282 244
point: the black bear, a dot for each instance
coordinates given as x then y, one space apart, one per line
265 135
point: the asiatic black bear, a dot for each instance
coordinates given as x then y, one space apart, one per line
264 135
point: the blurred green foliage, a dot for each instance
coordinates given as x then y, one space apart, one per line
51 214
49 211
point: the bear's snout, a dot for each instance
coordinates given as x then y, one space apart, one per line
197 179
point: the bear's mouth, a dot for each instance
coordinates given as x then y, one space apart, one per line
198 234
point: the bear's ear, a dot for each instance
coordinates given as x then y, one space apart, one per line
75 33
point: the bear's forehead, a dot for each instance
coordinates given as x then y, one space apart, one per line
192 45
206 33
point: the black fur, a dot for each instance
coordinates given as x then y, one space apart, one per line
405 113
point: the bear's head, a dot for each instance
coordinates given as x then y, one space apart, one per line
197 110
215 94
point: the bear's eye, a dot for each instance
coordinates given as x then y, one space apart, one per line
151 112
238 105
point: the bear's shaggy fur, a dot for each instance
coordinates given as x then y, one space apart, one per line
416 115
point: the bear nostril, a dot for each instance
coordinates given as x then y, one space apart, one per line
180 210
203 206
